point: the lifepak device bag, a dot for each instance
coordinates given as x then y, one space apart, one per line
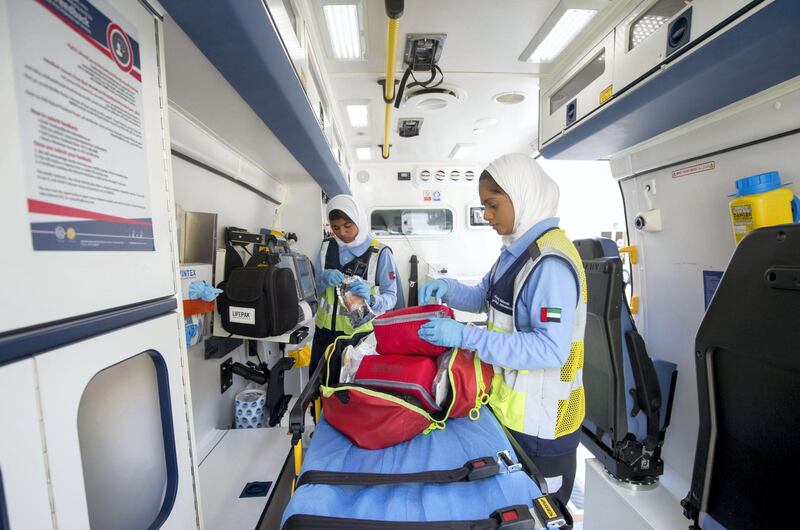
396 331
374 417
258 301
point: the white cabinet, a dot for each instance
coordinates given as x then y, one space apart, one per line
657 28
22 456
116 429
585 88
85 199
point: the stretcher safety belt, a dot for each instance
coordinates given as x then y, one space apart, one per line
476 469
517 517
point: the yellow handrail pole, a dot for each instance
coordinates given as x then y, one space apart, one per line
388 87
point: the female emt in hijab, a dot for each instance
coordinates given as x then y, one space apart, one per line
535 297
350 252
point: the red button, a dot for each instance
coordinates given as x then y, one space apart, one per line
478 463
510 515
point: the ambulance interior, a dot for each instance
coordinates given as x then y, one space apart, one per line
119 395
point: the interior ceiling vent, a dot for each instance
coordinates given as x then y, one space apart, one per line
433 98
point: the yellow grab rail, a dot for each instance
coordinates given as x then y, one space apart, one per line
393 27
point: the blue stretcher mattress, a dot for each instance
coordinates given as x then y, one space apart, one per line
461 441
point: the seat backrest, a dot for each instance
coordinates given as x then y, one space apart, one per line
660 374
747 363
603 373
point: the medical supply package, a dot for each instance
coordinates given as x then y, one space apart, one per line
383 406
396 331
358 310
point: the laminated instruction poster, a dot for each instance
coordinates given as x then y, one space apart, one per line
78 84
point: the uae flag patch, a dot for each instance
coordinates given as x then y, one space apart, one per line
550 314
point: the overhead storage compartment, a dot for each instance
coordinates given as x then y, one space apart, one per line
584 89
699 76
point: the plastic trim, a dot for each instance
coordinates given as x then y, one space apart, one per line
168 433
30 341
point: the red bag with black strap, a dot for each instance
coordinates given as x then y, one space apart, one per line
374 417
396 331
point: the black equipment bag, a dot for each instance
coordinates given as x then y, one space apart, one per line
258 301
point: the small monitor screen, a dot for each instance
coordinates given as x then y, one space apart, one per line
305 277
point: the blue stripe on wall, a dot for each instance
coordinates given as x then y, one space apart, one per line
30 342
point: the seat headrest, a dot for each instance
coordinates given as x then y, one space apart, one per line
597 247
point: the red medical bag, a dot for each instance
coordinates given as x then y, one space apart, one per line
375 417
406 374
396 331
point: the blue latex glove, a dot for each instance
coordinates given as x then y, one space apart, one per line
202 289
191 329
332 277
442 332
437 289
361 289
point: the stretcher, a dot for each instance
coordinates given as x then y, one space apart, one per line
470 475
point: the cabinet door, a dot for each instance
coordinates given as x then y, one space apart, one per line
24 498
585 88
115 423
85 200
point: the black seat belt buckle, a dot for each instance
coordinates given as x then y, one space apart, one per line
549 513
517 517
481 468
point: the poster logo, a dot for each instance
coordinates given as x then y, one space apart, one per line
120 47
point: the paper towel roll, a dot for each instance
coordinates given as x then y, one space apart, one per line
250 409
305 312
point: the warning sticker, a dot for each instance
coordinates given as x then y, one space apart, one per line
742 216
606 94
691 170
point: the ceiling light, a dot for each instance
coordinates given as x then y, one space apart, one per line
561 27
510 98
358 114
344 31
364 153
461 151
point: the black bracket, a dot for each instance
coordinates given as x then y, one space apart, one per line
382 83
225 375
219 347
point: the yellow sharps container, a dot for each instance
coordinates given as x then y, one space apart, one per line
761 200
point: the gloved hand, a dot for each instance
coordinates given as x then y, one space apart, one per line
361 289
436 289
442 332
332 277
202 289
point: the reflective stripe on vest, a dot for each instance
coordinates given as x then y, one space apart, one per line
327 301
544 403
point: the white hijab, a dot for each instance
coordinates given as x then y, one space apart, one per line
533 193
348 205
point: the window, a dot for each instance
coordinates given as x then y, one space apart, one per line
411 221
585 77
651 20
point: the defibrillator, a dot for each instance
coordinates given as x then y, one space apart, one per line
761 200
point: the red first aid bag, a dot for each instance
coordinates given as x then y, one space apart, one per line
374 417
396 331
406 374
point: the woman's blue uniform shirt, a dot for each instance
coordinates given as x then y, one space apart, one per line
536 345
386 274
